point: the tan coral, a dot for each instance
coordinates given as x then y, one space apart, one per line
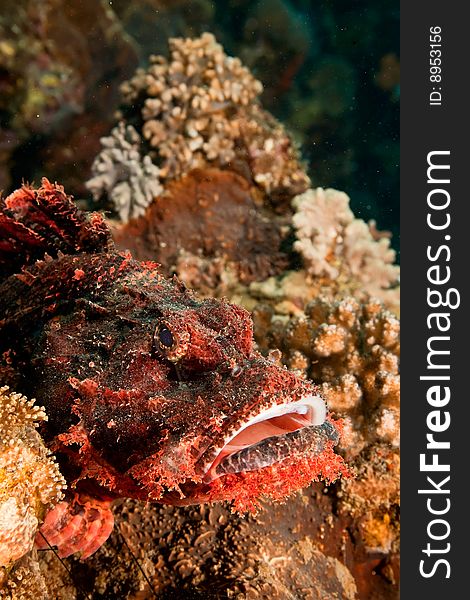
352 350
336 246
200 108
30 481
26 581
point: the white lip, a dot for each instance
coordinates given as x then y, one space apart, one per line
312 407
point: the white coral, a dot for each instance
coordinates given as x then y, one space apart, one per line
130 179
321 215
334 244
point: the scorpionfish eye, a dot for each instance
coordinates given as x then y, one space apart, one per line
164 337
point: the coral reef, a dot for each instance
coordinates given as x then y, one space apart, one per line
353 351
218 235
199 109
152 393
209 217
206 549
335 245
30 481
26 581
341 255
55 57
205 178
329 73
131 180
301 550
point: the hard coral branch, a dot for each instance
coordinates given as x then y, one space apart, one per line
198 109
339 247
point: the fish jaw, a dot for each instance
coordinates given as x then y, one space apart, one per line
261 432
263 401
276 422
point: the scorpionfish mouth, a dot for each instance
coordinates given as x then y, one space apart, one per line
292 429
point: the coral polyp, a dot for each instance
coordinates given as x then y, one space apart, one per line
30 481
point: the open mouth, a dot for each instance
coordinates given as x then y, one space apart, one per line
296 428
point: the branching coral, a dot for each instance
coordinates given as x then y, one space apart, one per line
30 481
352 350
335 245
198 109
130 179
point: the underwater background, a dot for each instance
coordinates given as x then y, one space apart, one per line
330 72
251 148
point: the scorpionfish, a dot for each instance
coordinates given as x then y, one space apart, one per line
151 392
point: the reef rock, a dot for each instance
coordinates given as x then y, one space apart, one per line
210 219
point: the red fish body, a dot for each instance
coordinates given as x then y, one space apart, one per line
151 392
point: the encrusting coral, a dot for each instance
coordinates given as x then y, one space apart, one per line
208 221
204 548
30 481
337 246
200 108
205 552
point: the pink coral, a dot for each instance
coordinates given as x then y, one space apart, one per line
335 245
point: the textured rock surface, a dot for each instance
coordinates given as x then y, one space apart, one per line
301 550
210 217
